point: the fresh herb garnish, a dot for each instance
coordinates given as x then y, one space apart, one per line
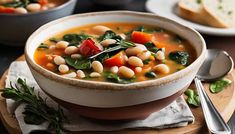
179 57
219 85
15 4
43 46
192 97
36 111
102 57
199 1
151 47
75 38
115 78
78 63
121 44
230 12
150 75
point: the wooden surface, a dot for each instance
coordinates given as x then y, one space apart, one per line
223 101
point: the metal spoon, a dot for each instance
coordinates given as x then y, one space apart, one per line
217 64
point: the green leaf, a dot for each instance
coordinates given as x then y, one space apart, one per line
54 40
150 74
146 61
177 39
43 46
151 47
115 78
32 118
109 35
179 57
192 97
102 57
219 85
75 38
15 4
78 63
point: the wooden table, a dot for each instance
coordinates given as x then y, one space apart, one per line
9 54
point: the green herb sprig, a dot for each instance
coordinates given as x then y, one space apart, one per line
192 97
36 111
219 85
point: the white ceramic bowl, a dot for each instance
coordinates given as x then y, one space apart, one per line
104 95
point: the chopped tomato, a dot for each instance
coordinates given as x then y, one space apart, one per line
6 9
88 48
42 2
141 37
116 60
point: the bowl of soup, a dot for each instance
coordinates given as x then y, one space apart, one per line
114 65
19 19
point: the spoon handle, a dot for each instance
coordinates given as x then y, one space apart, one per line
213 119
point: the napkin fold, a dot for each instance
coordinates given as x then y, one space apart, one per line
177 114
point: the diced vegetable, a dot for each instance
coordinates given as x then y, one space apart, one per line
42 2
6 9
193 98
141 37
116 60
179 57
219 85
88 48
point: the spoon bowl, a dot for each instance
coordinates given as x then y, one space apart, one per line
216 65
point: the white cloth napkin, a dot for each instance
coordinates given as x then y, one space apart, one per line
177 114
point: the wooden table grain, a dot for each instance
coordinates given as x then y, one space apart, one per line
9 54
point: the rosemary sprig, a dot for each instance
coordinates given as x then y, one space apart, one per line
36 111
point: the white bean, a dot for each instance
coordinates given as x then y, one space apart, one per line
21 10
114 69
80 74
138 69
76 56
107 42
34 7
94 75
63 68
162 68
97 66
71 50
52 47
70 75
126 72
62 44
160 55
144 55
135 61
58 60
135 50
51 5
99 30
44 8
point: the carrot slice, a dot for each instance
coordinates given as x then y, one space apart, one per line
6 9
141 37
116 60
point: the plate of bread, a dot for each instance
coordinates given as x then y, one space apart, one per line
213 17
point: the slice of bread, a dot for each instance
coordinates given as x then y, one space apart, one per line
192 10
219 13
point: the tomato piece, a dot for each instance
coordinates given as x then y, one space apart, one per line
42 2
88 48
6 9
141 37
116 60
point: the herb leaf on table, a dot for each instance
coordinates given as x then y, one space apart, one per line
219 85
36 111
192 97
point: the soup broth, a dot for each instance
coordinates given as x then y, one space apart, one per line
115 52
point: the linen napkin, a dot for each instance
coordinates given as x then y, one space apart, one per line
177 114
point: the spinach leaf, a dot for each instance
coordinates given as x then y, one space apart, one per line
179 57
151 47
192 97
78 63
115 78
150 74
119 46
146 61
54 40
15 4
102 57
109 35
43 46
219 85
75 38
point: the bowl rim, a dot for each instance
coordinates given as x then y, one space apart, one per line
94 85
68 2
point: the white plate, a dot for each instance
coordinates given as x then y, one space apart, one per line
168 8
